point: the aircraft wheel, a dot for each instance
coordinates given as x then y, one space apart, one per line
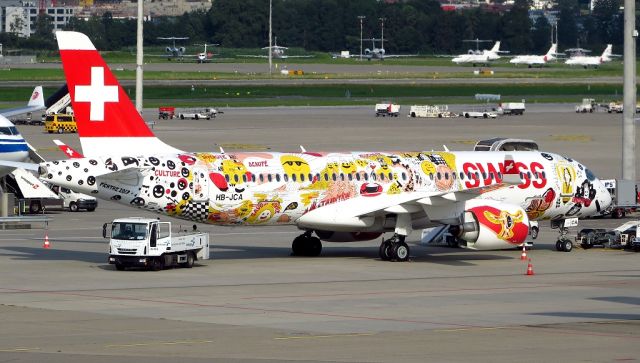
385 250
534 233
400 252
297 246
559 246
313 247
567 245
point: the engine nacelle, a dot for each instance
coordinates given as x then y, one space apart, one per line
182 50
490 225
331 236
168 49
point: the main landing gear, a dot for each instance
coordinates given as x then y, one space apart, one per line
306 245
394 249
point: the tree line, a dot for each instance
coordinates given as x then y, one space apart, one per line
412 26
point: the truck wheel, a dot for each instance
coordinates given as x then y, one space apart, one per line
484 115
413 114
190 260
158 263
197 117
466 115
73 206
586 246
35 207
181 117
119 267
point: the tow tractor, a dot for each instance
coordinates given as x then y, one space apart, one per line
624 236
151 244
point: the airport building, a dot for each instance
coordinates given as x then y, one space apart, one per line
20 17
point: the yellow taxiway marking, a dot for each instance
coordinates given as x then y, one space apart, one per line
159 343
472 328
325 336
9 350
576 138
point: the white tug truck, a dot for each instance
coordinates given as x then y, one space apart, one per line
150 244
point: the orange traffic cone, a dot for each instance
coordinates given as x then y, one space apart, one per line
46 241
530 269
523 255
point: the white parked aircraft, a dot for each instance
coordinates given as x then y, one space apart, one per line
592 61
277 52
13 147
487 197
479 57
379 53
536 60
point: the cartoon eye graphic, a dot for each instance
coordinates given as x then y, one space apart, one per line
138 201
158 191
80 182
171 165
69 178
116 197
154 161
185 196
290 163
91 180
86 170
76 164
93 162
185 172
126 160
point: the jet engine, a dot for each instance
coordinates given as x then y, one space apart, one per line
367 51
490 225
182 50
331 236
168 49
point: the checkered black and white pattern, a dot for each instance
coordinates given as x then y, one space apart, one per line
196 211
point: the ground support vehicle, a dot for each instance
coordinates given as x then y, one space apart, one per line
387 109
151 244
511 108
60 123
166 113
205 113
587 105
74 201
624 197
624 236
32 196
439 111
480 114
615 107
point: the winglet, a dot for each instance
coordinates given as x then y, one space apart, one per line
71 153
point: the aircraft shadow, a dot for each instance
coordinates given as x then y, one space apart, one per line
630 300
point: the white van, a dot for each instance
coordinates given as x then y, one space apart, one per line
75 201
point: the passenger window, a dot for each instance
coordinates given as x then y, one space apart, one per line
358 176
366 177
286 178
235 178
301 177
277 177
261 178
439 176
244 178
293 177
226 177
334 177
404 176
269 177
326 177
350 177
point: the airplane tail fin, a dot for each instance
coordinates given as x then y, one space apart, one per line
552 51
607 51
37 98
108 123
496 47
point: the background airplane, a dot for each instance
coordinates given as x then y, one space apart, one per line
479 57
537 60
341 197
173 51
591 61
380 53
205 55
277 52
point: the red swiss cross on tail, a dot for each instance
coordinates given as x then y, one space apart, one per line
97 96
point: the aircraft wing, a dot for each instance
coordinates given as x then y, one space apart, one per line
252 56
361 211
36 103
400 55
297 56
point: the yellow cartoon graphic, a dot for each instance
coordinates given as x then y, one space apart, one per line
307 198
506 221
566 177
235 170
348 167
428 167
244 209
294 165
395 188
362 163
264 212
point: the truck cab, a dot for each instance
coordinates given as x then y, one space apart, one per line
75 201
151 244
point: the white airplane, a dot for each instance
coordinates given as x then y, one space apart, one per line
536 60
205 56
277 52
479 57
172 51
380 53
13 147
591 61
486 197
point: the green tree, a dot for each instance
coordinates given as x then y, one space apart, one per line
516 28
541 35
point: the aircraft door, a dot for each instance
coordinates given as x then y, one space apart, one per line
200 185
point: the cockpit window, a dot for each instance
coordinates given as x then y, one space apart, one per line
10 130
590 175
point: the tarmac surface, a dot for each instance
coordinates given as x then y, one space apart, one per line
254 303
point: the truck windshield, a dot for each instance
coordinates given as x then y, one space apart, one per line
129 231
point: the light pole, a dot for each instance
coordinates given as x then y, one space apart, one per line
139 58
361 17
382 33
270 36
